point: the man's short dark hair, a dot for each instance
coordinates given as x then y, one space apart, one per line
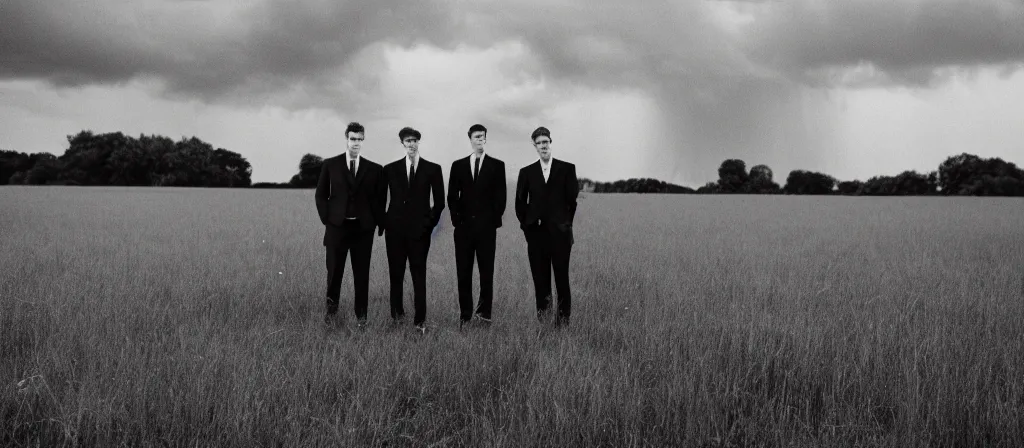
476 128
539 132
407 132
354 127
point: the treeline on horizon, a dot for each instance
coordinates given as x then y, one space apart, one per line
115 159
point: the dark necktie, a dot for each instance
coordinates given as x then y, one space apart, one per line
352 166
412 170
476 168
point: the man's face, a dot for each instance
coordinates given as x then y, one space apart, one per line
543 145
354 143
412 146
477 140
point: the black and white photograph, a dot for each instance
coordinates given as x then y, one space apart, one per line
559 223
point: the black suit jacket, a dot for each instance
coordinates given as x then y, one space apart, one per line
552 202
337 186
409 211
479 204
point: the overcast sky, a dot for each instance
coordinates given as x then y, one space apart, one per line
664 89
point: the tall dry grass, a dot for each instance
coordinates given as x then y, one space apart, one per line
189 317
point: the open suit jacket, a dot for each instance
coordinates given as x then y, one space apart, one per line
479 204
552 202
409 212
337 186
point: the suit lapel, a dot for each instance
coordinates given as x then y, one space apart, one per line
360 171
481 173
483 168
554 169
349 176
420 166
490 168
538 174
405 175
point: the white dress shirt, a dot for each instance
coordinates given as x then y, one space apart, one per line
545 168
348 162
472 163
409 163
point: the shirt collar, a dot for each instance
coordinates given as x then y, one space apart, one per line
546 165
348 158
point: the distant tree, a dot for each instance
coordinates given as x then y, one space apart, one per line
732 176
233 169
967 174
709 188
129 164
309 171
118 159
17 178
633 185
957 171
850 187
189 164
907 183
160 159
987 185
809 182
912 183
677 189
760 181
45 170
879 186
272 185
761 172
86 161
933 182
12 162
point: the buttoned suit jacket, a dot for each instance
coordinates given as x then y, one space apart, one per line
338 186
552 202
409 212
478 204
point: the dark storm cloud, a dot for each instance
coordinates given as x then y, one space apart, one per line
61 44
206 48
728 84
904 42
201 48
735 89
715 102
74 43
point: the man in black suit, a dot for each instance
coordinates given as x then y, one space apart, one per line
546 193
350 200
409 221
476 202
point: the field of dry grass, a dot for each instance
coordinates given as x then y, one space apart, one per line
190 317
